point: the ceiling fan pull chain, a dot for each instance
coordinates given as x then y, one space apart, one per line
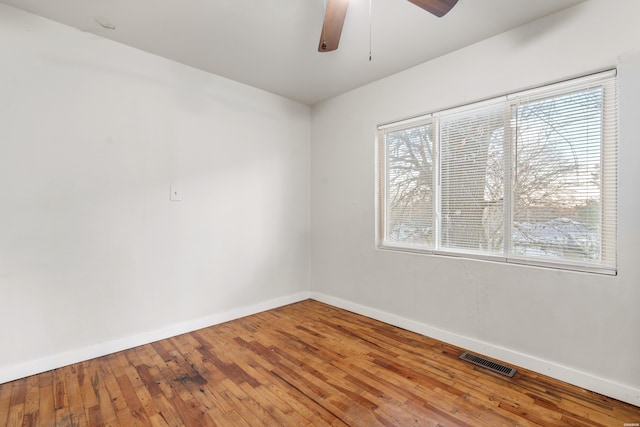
370 19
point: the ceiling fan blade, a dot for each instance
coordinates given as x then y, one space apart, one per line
437 7
332 27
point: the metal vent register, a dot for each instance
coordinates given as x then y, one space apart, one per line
489 364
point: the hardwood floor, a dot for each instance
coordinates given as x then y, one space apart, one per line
306 364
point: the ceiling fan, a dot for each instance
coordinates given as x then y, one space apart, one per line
336 10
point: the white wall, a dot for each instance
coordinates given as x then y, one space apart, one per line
93 255
583 328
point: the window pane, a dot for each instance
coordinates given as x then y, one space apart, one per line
528 178
557 197
472 180
410 185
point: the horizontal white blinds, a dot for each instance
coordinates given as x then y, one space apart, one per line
409 181
529 177
565 187
472 178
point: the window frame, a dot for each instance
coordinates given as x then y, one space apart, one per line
608 192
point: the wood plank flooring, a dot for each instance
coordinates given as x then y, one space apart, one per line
306 364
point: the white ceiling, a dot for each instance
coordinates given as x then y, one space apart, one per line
272 44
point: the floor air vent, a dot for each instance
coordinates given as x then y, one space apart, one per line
489 364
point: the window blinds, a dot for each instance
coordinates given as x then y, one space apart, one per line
565 174
527 178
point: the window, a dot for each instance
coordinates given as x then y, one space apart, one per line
526 178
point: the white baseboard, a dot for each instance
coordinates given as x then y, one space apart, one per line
581 379
14 372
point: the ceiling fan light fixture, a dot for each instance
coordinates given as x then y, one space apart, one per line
336 10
